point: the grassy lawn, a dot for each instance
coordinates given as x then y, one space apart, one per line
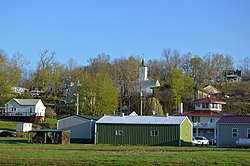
7 125
11 125
15 151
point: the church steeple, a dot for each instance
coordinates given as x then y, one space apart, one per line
143 71
142 63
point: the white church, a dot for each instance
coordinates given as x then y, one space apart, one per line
145 85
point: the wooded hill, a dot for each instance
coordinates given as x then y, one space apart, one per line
106 85
239 96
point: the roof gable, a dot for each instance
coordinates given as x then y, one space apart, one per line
167 120
234 120
211 90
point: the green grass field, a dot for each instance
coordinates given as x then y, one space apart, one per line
11 125
7 125
15 151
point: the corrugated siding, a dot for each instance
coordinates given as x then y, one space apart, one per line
138 134
186 132
224 134
79 127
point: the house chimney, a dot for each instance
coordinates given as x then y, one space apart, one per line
180 108
167 114
122 115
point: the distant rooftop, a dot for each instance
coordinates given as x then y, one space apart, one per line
27 101
234 120
211 90
82 116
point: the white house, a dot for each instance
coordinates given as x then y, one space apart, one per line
26 108
205 116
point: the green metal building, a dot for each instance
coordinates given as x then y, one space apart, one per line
144 130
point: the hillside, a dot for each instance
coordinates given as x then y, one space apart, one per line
239 96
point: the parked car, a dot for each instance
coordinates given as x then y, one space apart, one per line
7 134
200 140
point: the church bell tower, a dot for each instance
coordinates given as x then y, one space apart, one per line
143 72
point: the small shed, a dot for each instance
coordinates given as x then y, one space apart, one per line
144 130
23 127
49 136
232 129
82 128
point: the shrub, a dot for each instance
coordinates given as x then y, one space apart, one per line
50 113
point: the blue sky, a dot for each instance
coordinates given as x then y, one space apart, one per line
82 29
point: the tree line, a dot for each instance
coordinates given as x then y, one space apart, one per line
106 85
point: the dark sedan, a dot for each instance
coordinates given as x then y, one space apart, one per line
7 134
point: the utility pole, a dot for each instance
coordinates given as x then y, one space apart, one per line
77 103
77 97
141 102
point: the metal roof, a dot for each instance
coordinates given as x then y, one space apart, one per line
234 120
81 116
149 83
208 100
211 89
168 120
27 101
207 113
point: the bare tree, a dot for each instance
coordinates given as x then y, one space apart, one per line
124 73
186 62
245 66
44 70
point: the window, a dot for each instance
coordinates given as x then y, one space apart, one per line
234 132
154 133
215 106
204 105
248 133
30 109
119 132
195 119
